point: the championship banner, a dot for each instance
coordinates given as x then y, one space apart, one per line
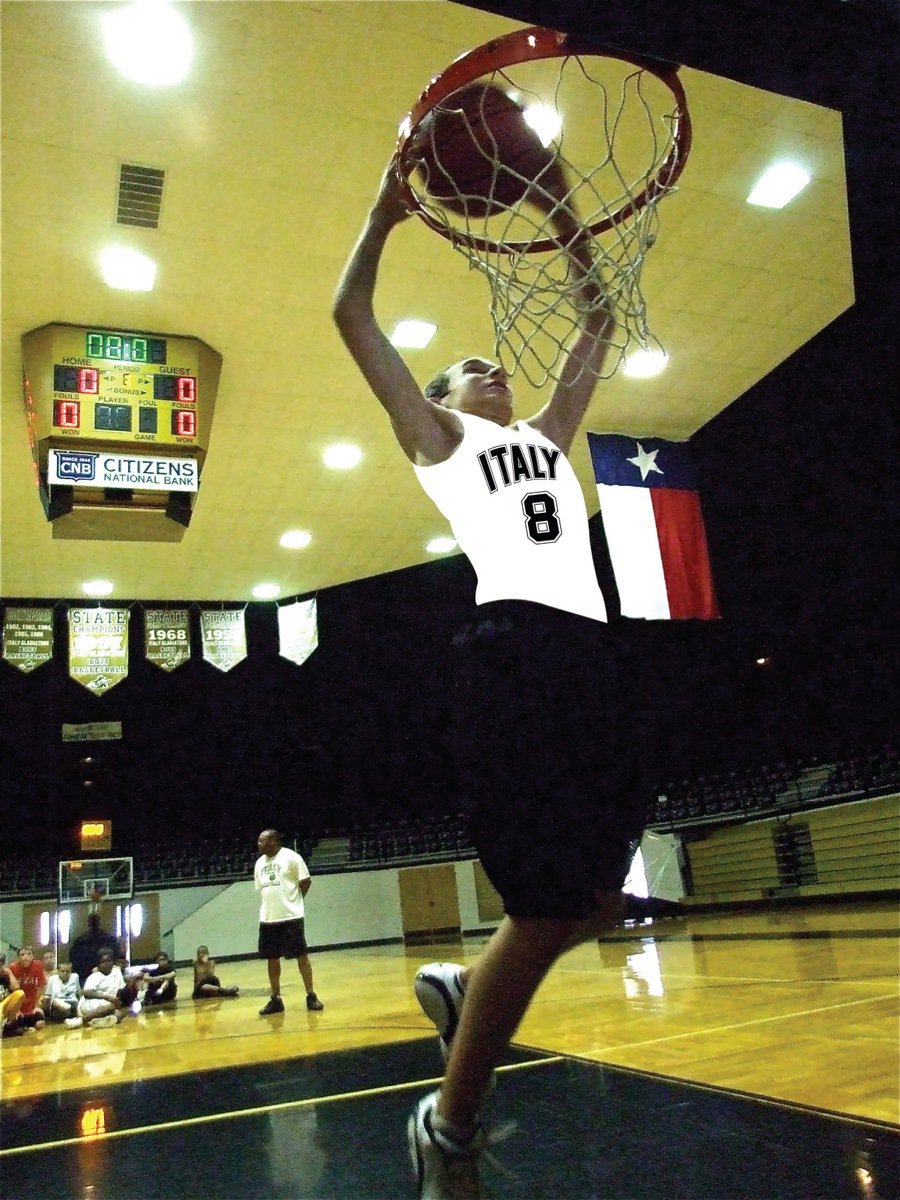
224 637
654 528
28 637
298 630
98 647
167 637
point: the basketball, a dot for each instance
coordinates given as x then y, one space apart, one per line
477 144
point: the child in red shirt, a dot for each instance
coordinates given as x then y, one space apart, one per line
31 978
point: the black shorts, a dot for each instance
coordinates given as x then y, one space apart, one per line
549 756
282 939
198 992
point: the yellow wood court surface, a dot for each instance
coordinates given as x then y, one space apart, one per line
791 1004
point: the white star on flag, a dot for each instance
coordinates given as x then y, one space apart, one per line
646 462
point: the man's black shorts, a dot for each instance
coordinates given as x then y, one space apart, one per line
549 755
282 939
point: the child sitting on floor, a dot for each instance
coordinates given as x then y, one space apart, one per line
206 981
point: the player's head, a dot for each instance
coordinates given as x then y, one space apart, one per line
65 970
94 922
474 385
105 962
202 952
269 842
26 955
162 959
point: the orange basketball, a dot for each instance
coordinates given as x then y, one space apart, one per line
477 144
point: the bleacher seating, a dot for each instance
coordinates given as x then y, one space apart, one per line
705 802
779 788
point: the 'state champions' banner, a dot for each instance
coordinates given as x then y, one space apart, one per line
298 630
167 638
224 637
28 637
654 528
98 647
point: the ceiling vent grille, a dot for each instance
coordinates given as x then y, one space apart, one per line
140 196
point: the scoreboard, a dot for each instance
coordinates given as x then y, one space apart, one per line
115 415
117 386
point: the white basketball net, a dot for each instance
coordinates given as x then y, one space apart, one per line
609 148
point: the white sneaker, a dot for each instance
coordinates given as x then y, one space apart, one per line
446 1169
104 1022
441 994
73 1022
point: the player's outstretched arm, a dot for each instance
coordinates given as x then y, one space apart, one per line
561 417
420 432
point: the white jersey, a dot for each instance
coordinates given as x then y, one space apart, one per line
277 879
109 985
517 512
58 990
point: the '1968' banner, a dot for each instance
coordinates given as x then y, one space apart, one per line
167 638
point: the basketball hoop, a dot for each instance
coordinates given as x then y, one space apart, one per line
514 201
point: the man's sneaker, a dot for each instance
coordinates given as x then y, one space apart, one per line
104 1022
313 1003
441 995
275 1005
446 1168
73 1022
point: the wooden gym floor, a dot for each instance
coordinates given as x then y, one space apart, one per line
720 1056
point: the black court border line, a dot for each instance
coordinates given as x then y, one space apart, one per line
279 1106
718 1089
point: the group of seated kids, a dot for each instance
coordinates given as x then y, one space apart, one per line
33 992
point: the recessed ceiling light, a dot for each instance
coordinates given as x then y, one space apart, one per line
544 120
644 364
97 587
266 591
779 184
295 539
412 335
148 42
127 269
441 545
341 455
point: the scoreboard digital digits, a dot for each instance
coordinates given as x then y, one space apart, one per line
123 347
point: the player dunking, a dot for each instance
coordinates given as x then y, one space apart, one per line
553 804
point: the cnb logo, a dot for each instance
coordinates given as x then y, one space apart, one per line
73 465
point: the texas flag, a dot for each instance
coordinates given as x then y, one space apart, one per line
654 528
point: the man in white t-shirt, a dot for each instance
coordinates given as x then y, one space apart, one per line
101 1002
282 879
